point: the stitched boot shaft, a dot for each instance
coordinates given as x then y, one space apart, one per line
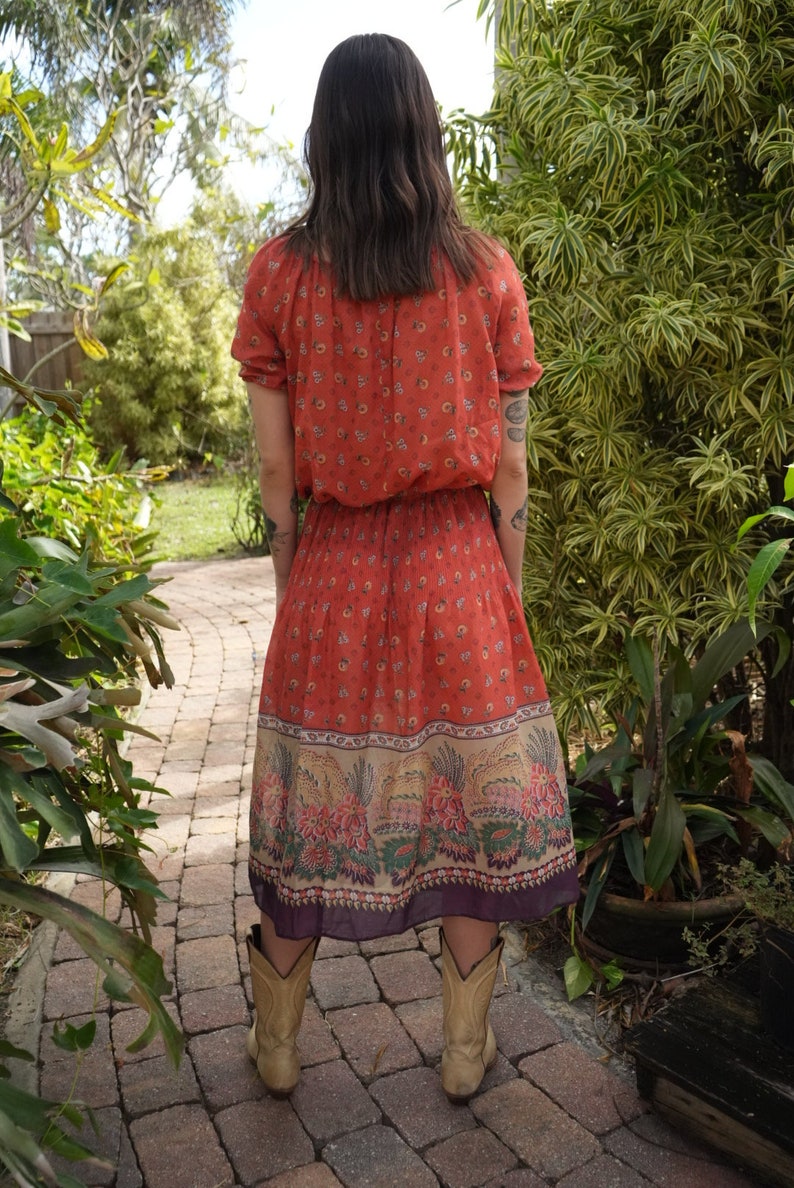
278 1010
469 1043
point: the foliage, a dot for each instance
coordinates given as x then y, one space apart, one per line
166 65
170 393
54 476
768 896
646 813
772 554
75 624
637 161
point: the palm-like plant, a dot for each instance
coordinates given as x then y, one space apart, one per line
639 162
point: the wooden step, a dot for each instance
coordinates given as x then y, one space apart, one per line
706 1065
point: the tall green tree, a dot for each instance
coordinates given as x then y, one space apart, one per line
639 162
160 69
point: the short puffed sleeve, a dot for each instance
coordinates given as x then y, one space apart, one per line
255 344
514 344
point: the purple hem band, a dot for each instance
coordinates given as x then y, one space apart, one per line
357 924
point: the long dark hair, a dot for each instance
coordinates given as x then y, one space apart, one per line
381 200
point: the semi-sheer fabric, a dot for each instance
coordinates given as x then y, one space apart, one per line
407 762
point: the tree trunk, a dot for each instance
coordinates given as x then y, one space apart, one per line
778 740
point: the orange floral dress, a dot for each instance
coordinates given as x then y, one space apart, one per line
407 763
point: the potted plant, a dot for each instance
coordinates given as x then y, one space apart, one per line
670 796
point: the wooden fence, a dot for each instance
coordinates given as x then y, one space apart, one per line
49 332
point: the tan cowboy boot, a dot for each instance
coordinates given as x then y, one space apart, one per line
469 1043
278 1010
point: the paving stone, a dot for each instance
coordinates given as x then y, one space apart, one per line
91 1078
390 944
341 982
430 940
154 1084
214 788
211 1010
205 885
216 919
179 1148
316 1042
225 807
329 1100
521 1027
539 1132
242 883
423 1022
207 962
373 1040
404 977
584 1088
225 1073
209 849
668 1167
263 1138
499 1072
604 1172
186 749
246 913
101 898
435 1119
377 1158
66 948
127 1025
190 728
166 806
203 826
310 1175
181 782
330 947
522 1177
73 987
220 773
469 1159
106 1144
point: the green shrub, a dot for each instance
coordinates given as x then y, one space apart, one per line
169 392
54 475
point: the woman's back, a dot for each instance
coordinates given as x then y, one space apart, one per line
392 395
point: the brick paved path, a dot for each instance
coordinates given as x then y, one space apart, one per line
369 1109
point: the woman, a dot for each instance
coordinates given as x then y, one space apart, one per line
407 764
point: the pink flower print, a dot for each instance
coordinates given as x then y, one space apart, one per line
350 819
444 805
270 797
315 823
546 792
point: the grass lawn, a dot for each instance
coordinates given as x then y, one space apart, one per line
194 519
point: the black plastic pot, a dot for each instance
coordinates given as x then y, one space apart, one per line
777 985
649 935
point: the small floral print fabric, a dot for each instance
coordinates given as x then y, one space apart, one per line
407 762
389 396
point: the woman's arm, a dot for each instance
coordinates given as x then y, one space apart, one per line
275 441
509 487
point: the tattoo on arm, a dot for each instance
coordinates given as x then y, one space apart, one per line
275 537
293 503
516 412
496 514
519 519
516 434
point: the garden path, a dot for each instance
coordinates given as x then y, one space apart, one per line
369 1110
